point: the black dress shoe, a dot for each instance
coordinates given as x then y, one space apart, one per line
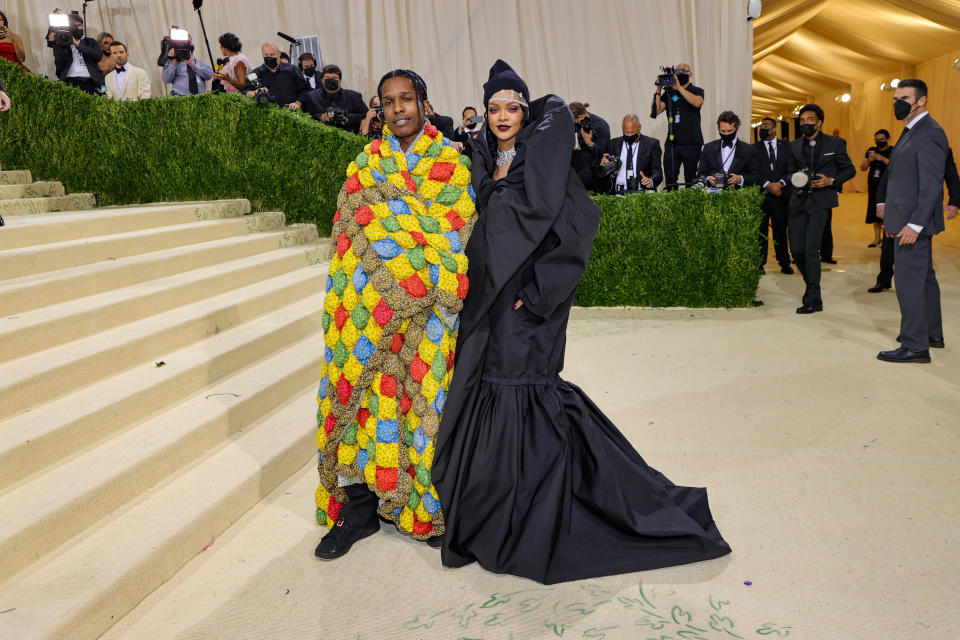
828 260
877 288
936 343
787 269
810 308
904 355
436 542
342 536
873 244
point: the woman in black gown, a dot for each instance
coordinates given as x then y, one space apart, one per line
875 160
534 480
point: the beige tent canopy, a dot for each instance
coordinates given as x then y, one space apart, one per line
808 48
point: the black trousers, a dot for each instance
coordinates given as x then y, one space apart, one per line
887 250
687 155
807 222
918 294
775 213
826 245
84 84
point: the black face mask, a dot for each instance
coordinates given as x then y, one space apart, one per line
901 109
881 144
310 72
633 138
77 32
765 134
271 62
331 84
683 78
728 137
808 130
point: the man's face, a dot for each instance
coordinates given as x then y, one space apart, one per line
880 139
908 94
308 64
400 107
469 113
334 81
684 68
581 117
809 117
726 128
770 126
119 54
270 51
631 127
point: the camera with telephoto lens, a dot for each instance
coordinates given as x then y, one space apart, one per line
63 32
611 167
179 41
720 180
802 179
261 93
584 125
338 116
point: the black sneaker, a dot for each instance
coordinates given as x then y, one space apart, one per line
342 536
435 542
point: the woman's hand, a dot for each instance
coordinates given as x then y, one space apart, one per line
518 304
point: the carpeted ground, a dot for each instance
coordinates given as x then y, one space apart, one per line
833 476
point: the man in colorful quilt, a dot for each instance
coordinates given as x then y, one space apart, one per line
396 286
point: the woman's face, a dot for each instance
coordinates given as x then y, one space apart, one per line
505 119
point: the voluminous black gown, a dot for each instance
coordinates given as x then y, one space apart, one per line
533 478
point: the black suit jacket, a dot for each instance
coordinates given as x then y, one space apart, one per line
91 51
831 159
777 172
649 159
745 162
912 187
319 100
444 124
952 179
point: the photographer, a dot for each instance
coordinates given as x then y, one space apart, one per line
372 125
728 162
469 128
308 69
285 84
818 166
186 73
632 161
334 105
682 100
444 124
77 63
593 134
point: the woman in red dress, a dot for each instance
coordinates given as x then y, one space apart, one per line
11 46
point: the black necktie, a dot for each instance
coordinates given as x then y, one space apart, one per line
771 154
629 158
192 79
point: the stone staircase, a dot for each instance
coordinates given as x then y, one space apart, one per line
158 372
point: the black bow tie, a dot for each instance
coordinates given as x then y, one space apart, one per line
122 69
726 144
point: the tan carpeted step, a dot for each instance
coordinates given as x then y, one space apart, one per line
16 263
38 329
25 231
27 206
16 177
32 190
91 581
41 290
49 509
37 378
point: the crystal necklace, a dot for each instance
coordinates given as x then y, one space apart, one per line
505 157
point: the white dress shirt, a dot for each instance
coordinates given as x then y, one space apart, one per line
121 77
771 146
622 173
79 68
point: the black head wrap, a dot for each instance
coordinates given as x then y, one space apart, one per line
502 76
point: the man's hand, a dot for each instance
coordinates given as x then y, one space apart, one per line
458 146
250 94
294 106
607 159
734 179
517 304
645 181
821 181
907 235
711 181
775 188
325 117
171 53
951 210
51 36
190 62
5 106
880 208
371 114
587 137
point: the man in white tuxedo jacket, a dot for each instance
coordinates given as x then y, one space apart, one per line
127 82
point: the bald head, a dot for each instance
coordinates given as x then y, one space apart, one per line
270 49
631 125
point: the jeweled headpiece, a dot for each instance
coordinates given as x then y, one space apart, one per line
513 96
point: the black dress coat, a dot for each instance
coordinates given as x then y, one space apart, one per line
534 480
745 162
649 160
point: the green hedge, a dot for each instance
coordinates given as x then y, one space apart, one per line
684 248
196 148
680 249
